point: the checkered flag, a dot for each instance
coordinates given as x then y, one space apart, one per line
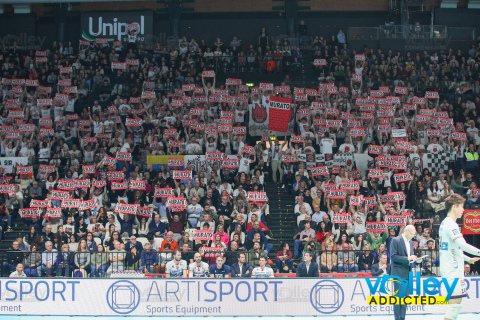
436 163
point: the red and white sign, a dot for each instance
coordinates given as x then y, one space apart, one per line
137 185
279 110
163 192
402 177
60 195
203 235
396 220
380 226
126 208
180 175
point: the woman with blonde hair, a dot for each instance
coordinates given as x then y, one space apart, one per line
329 241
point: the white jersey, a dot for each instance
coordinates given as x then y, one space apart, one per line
260 272
199 270
451 256
176 269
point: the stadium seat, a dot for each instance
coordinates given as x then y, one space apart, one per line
142 241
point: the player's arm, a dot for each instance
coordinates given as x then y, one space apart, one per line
469 259
460 241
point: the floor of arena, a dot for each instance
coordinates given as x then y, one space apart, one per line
423 317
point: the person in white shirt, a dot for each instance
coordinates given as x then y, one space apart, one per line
177 268
263 271
18 273
198 268
326 144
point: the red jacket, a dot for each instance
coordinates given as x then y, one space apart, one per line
262 226
280 253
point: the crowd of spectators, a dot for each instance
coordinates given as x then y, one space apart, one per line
158 103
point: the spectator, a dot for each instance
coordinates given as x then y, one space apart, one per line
156 227
18 273
49 260
116 258
219 270
382 267
132 259
32 261
284 260
347 261
82 257
66 261
177 268
241 268
99 263
328 260
307 268
169 240
14 257
133 243
198 268
262 271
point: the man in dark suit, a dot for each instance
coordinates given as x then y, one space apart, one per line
382 267
308 268
241 268
401 253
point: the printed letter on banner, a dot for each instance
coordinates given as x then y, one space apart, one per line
39 203
396 220
99 183
29 213
115 175
402 177
350 185
202 235
126 208
256 197
230 164
119 185
82 184
320 171
174 162
88 169
59 195
144 212
70 203
7 188
163 192
124 156
376 226
175 202
356 201
369 202
137 185
54 212
337 194
179 175
279 110
342 218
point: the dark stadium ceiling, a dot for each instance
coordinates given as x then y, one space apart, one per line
57 1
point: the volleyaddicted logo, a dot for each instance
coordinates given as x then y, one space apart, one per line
397 289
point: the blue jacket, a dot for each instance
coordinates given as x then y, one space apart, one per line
312 270
92 246
153 227
126 226
149 258
71 259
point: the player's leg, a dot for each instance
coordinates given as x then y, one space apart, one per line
453 309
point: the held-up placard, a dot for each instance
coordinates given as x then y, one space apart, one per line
337 194
396 220
119 185
70 203
66 185
144 212
214 156
379 226
344 217
230 164
99 183
137 185
350 185
115 175
54 212
184 174
59 195
176 202
88 169
7 188
163 192
39 203
257 196
29 213
369 202
82 184
208 252
375 173
400 196
124 156
202 235
174 162
356 201
402 177
87 204
126 208
320 171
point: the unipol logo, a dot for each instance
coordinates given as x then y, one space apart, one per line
101 27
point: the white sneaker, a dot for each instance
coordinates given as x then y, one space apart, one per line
268 237
283 186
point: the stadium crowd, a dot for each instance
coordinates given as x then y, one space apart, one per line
88 117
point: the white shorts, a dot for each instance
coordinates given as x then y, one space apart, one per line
460 290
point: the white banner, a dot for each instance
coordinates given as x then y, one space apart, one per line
363 162
208 297
258 119
9 162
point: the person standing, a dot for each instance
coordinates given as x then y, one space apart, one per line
401 255
452 245
277 154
